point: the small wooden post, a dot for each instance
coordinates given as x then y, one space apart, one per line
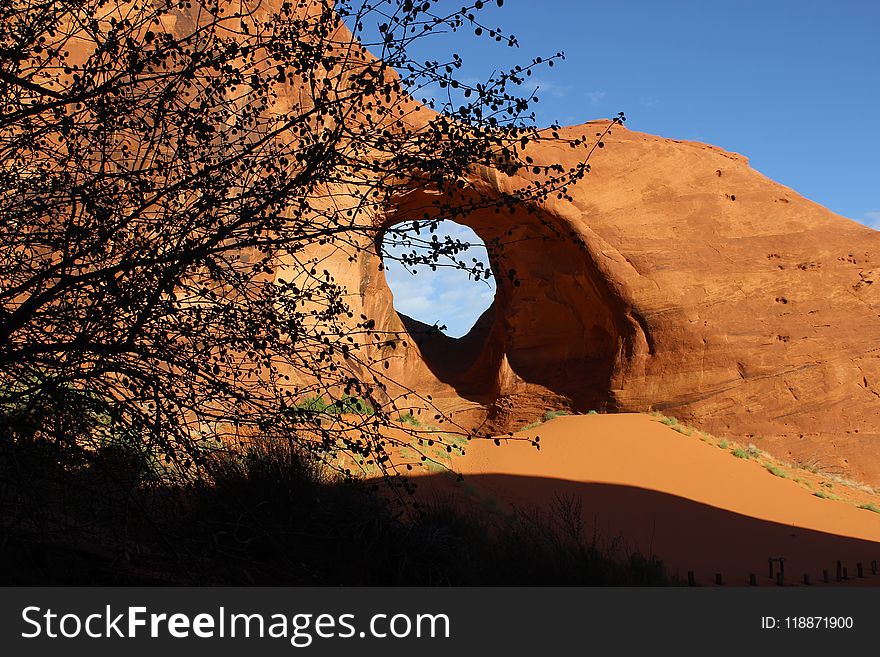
874 567
718 580
839 570
753 580
806 579
860 570
825 576
691 581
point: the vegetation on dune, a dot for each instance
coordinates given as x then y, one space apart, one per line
409 418
548 415
348 404
775 466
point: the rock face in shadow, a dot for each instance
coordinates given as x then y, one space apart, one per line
681 280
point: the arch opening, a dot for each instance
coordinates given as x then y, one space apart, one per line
448 309
438 275
553 337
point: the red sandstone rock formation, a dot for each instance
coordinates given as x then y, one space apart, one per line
679 279
690 284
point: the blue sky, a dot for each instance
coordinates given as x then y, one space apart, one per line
792 84
447 297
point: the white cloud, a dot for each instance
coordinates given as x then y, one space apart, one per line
595 97
411 296
546 88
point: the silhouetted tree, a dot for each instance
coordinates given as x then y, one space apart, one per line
171 170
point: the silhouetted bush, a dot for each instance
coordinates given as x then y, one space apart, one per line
273 515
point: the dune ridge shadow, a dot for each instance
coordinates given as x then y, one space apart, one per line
684 534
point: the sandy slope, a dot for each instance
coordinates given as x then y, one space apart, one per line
693 505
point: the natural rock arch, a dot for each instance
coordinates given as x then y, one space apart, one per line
678 279
553 336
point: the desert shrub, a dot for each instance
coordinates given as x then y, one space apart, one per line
276 515
753 451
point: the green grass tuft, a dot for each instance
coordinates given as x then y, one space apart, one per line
870 507
740 453
409 418
347 405
549 415
772 469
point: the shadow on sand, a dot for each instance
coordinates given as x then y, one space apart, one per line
684 534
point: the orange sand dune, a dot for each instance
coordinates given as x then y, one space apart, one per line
691 504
